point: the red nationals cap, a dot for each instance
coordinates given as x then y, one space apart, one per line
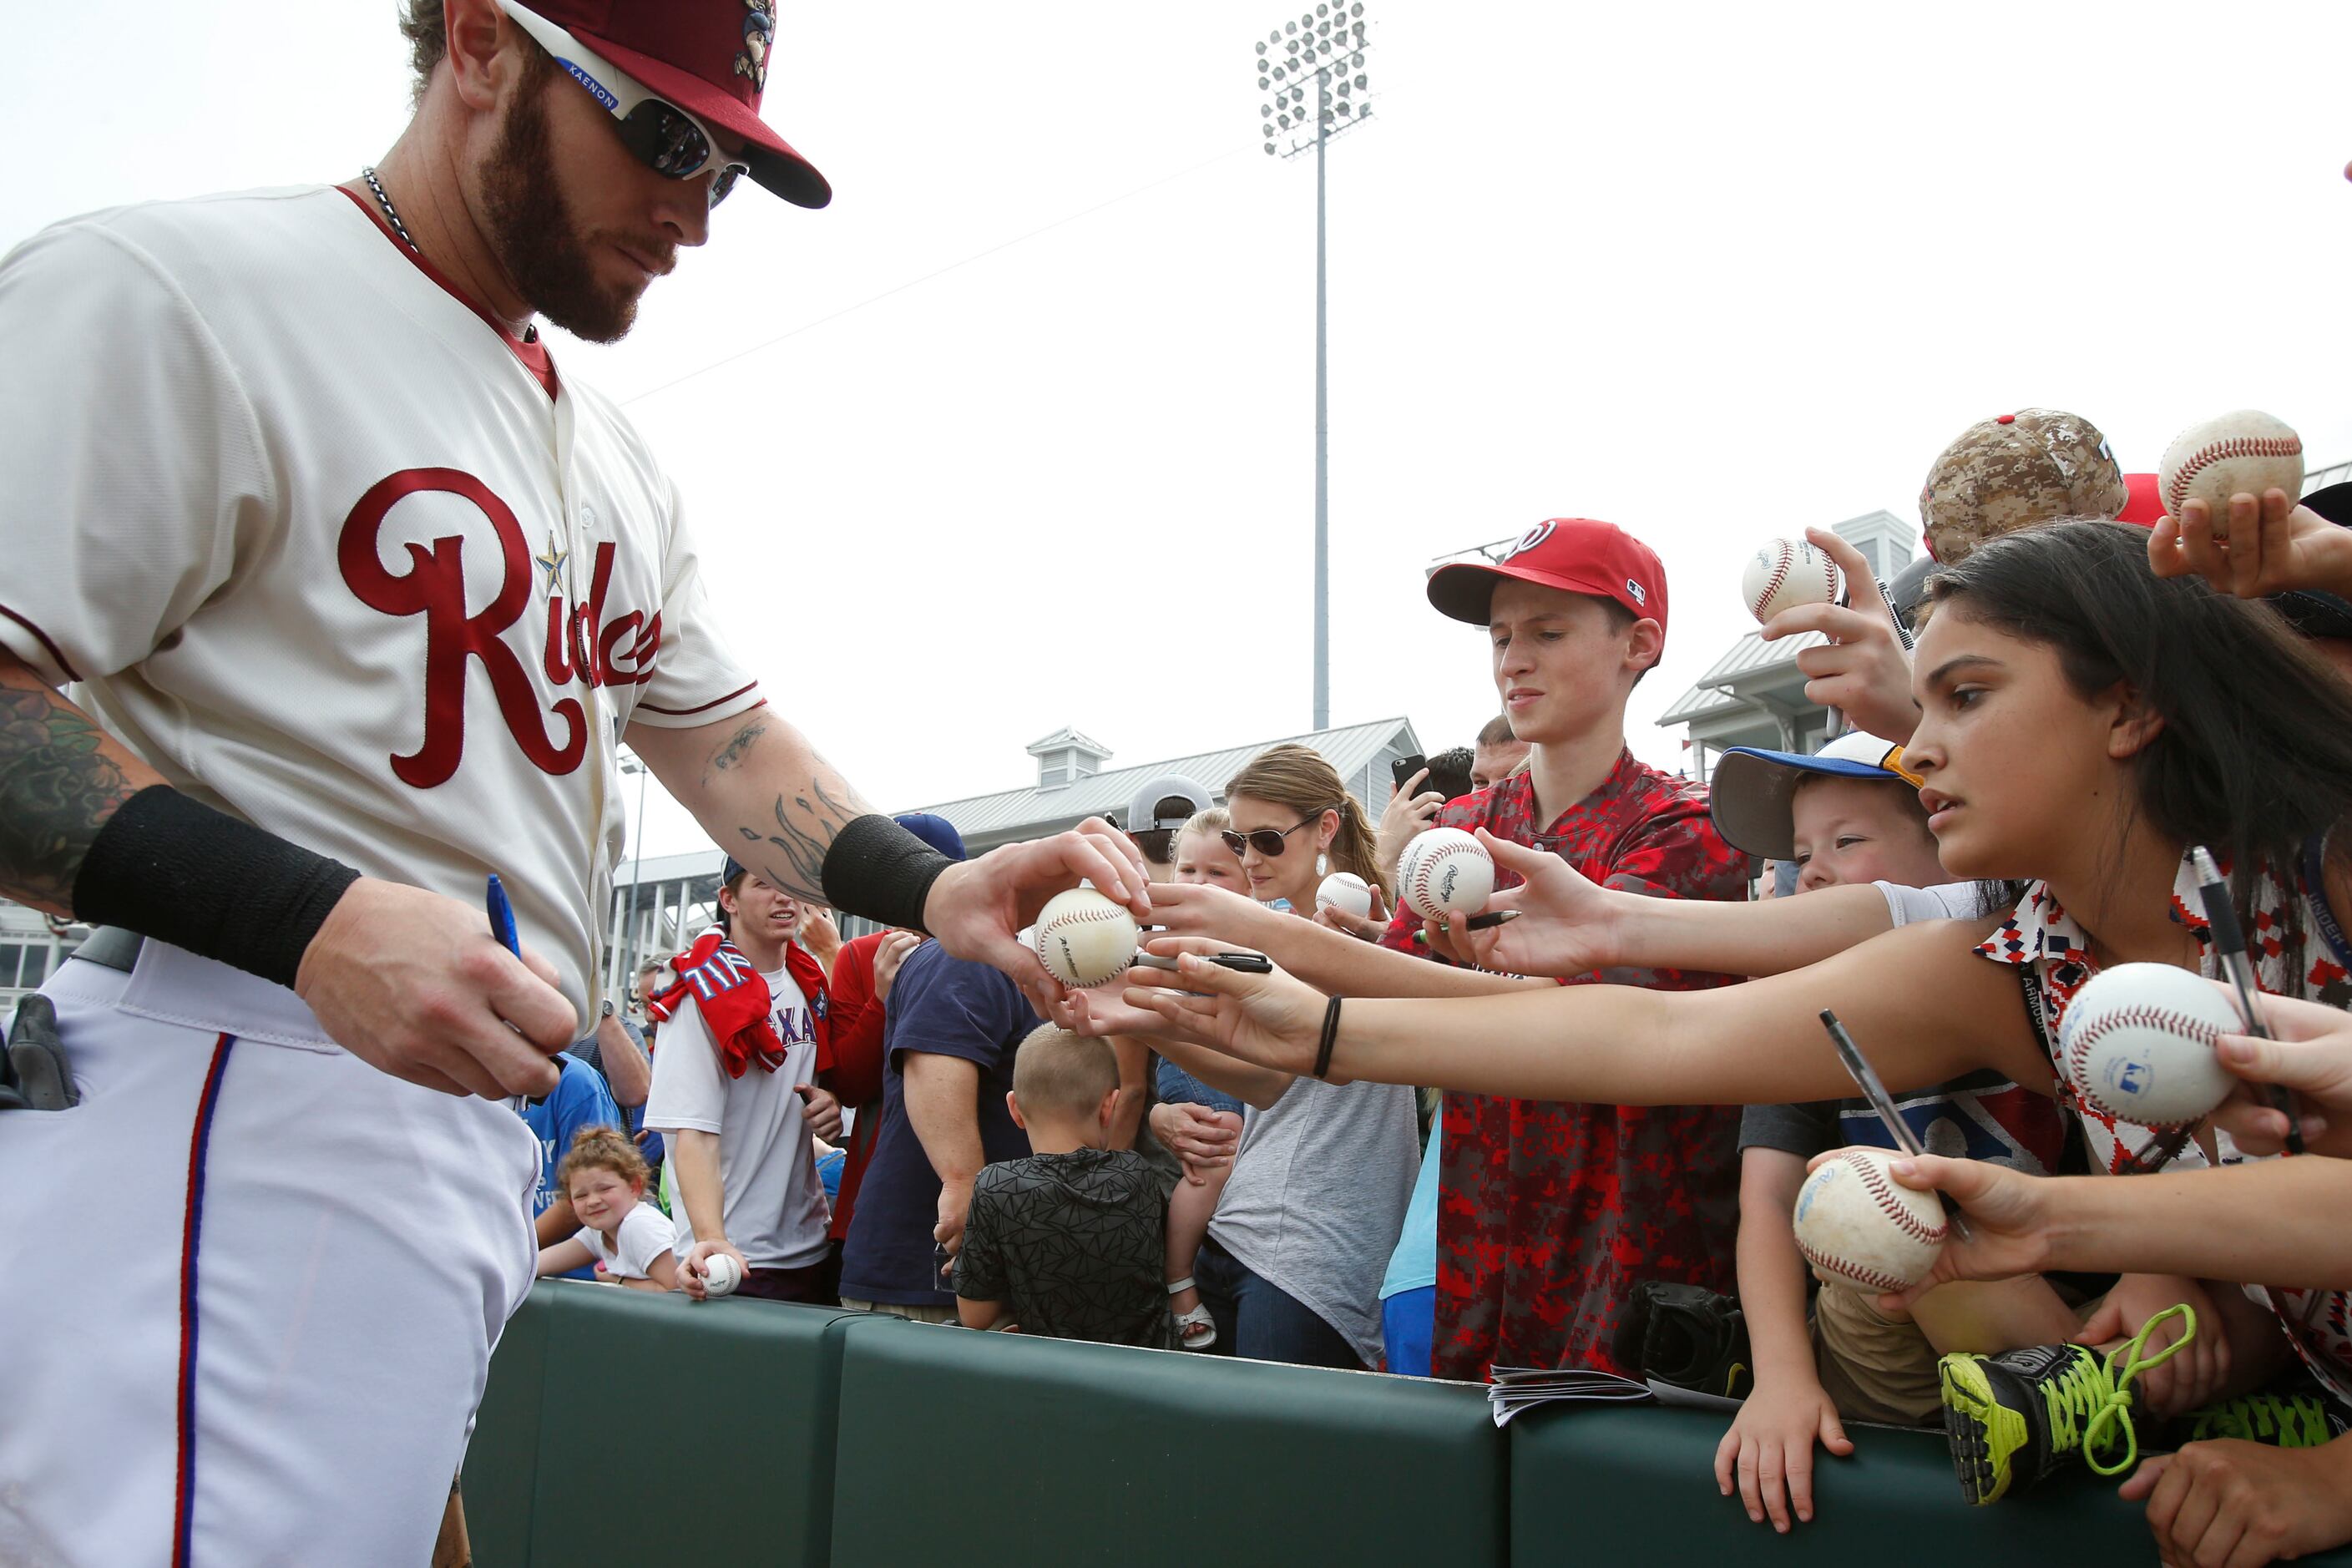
707 57
1574 553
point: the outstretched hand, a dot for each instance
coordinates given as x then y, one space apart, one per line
2312 1055
977 907
1567 924
2257 546
1862 670
2007 1221
1271 1019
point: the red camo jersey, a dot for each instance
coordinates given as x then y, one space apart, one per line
1549 1212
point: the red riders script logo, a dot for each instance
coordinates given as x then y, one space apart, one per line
580 645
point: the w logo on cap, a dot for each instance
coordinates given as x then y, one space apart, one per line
1530 539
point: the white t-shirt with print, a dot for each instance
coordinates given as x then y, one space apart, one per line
307 534
644 1238
775 1210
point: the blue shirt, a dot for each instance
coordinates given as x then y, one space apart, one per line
941 1007
1413 1263
580 1100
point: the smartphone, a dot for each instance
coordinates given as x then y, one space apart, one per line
1403 768
942 1268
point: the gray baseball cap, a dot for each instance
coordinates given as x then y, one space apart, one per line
1168 801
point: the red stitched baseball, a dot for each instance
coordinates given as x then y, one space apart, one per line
1873 1178
2136 1014
2176 489
1845 1269
1772 584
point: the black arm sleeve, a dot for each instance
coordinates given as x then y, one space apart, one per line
876 868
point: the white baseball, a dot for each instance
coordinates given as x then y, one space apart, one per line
1855 1221
1345 890
2138 1044
1444 869
1083 937
2246 452
1784 574
720 1275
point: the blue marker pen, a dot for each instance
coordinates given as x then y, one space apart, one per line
502 924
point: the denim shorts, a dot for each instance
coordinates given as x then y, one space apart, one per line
1177 1086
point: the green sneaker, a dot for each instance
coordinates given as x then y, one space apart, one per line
2015 1418
2281 1420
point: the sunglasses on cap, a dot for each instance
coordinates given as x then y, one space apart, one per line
657 132
1266 840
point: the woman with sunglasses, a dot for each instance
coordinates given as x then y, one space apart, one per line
1317 1189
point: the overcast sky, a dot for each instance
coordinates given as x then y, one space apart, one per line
1711 271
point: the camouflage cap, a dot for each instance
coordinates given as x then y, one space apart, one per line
2033 466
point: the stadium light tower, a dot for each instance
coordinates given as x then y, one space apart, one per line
1322 53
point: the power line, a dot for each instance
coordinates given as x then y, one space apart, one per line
940 272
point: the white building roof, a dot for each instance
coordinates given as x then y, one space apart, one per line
1007 812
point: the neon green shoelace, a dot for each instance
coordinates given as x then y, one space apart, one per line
2103 1395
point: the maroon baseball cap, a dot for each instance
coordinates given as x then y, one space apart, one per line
707 57
1574 553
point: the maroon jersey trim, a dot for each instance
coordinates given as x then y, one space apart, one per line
701 707
56 653
533 357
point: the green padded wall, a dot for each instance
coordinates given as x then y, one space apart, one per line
983 1448
1636 1484
728 1412
502 1460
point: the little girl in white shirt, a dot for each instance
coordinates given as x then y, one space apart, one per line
629 1238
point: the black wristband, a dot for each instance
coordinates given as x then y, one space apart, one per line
1330 1038
175 871
878 869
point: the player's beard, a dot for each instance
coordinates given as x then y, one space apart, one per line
531 226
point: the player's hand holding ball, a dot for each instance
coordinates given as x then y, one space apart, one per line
977 907
414 983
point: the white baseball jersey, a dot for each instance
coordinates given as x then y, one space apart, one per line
312 536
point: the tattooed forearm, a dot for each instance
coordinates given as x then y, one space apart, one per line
738 745
805 827
60 779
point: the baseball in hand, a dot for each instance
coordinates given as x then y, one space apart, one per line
1345 890
2138 1044
1084 937
1855 1221
1444 869
2244 452
720 1275
1787 573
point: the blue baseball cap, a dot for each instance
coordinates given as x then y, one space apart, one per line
935 831
1750 789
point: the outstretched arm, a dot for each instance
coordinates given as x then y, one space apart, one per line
1613 1045
2274 1222
764 794
1327 959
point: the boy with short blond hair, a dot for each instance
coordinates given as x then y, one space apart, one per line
1069 1241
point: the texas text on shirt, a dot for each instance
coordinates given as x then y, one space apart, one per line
1549 1212
775 1212
316 550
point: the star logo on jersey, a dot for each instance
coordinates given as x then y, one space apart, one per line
554 560
759 36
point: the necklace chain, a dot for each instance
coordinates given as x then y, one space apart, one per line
392 215
391 212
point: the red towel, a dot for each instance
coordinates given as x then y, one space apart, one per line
736 1003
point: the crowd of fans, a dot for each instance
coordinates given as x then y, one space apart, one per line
1230 1164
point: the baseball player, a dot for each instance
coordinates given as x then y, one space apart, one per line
352 590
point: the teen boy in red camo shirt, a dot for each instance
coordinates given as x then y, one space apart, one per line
1549 1212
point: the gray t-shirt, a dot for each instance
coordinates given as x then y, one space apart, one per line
1318 1195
